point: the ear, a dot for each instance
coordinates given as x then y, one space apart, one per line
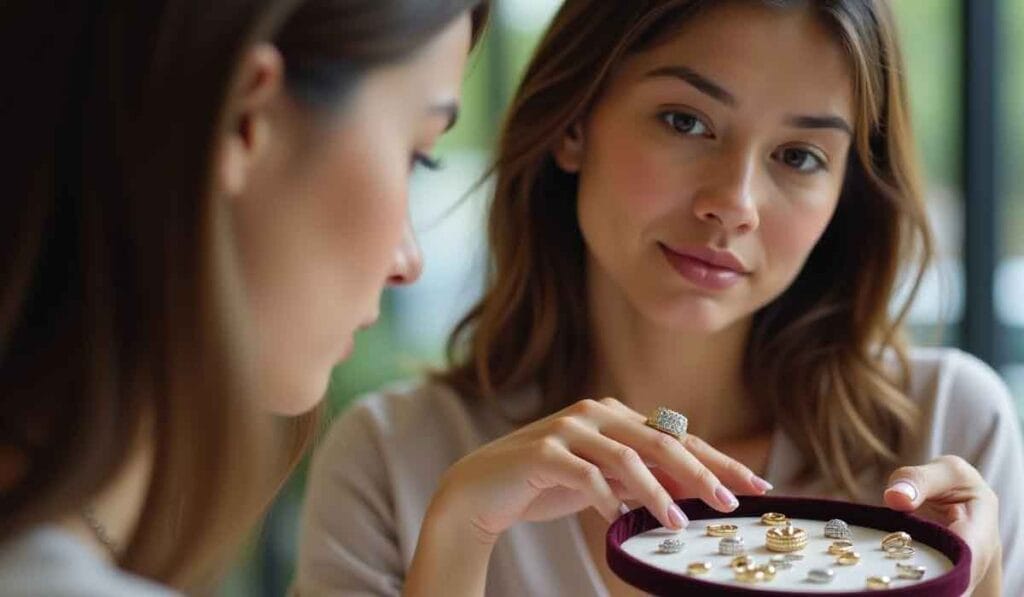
569 153
244 142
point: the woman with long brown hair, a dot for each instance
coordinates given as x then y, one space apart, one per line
699 205
206 201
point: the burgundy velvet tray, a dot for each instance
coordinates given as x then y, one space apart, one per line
661 582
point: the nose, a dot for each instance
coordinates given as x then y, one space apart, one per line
408 262
729 198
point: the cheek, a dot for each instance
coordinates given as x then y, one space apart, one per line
626 177
789 235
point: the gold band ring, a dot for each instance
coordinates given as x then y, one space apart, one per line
722 530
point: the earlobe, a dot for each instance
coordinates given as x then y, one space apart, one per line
569 153
247 135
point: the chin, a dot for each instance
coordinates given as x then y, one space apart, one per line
297 397
694 316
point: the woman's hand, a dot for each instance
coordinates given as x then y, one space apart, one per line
595 453
951 492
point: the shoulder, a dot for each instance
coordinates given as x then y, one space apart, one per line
409 413
49 561
962 398
952 378
410 428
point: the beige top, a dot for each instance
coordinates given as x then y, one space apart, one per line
49 561
376 471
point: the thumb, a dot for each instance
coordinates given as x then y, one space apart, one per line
944 477
902 495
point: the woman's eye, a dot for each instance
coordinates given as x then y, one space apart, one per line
424 160
686 124
801 160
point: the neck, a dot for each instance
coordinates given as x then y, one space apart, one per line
647 365
117 507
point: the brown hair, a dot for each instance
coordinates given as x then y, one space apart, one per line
817 359
120 313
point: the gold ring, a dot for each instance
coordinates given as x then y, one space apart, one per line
897 539
768 570
741 562
751 575
668 421
774 519
698 568
850 558
910 571
877 583
840 546
786 539
722 530
900 553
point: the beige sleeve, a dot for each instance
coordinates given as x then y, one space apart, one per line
348 543
980 424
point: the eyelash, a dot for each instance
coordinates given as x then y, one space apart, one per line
424 160
667 118
820 163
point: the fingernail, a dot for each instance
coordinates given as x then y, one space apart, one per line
677 518
623 509
761 485
724 496
905 488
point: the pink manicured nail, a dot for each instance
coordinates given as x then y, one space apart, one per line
904 488
725 497
677 518
761 485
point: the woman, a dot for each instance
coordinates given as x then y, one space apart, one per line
699 205
217 210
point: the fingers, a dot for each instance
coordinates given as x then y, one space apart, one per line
731 471
560 467
623 464
945 479
667 453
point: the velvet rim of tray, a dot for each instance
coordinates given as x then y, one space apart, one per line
662 582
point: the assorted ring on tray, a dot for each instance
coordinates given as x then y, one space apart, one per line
783 554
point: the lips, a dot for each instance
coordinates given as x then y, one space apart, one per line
706 268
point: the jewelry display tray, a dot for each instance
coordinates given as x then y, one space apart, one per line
644 571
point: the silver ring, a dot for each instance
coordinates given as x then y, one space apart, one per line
671 546
668 421
820 575
732 546
838 529
781 562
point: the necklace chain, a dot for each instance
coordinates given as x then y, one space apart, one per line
100 531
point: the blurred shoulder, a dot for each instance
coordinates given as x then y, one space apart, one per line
47 560
418 414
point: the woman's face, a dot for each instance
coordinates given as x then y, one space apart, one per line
712 163
320 215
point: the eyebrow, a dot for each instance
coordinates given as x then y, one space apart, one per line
697 80
820 122
719 93
449 109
